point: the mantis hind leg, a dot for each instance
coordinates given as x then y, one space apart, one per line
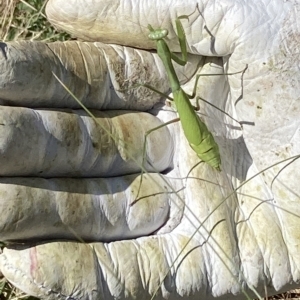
144 153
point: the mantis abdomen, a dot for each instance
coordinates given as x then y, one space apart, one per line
196 132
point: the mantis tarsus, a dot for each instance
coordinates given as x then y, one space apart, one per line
196 132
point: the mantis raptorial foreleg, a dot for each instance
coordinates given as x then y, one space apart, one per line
156 34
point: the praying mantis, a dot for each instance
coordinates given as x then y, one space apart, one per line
196 132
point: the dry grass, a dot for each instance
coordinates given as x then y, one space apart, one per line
292 294
9 292
19 20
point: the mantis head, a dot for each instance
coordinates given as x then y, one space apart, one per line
157 34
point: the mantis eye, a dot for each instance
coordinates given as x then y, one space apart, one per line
164 32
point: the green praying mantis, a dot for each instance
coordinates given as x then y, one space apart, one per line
196 132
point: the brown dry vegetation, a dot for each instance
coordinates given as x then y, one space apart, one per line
19 20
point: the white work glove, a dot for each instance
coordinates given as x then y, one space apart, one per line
212 234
